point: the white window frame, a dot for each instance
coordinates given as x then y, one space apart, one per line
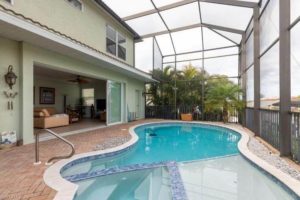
117 42
70 3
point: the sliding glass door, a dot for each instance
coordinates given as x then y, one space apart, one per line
114 102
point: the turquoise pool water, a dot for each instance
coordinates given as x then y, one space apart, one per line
208 159
169 142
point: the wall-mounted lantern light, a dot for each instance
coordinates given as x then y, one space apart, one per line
10 77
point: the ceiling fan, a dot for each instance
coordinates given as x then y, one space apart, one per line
79 80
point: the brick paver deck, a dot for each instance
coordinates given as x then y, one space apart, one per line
20 179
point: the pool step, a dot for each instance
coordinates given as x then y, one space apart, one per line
127 188
144 185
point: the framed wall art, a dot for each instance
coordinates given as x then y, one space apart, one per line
47 95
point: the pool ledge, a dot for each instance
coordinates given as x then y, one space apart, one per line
67 190
284 178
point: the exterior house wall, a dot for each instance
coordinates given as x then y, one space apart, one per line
87 26
32 55
9 55
131 97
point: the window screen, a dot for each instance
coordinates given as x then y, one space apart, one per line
111 40
121 47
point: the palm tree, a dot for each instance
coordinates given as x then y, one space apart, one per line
189 72
161 93
189 85
189 82
223 95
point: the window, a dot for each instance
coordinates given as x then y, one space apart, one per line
111 40
9 1
76 3
88 96
115 43
121 47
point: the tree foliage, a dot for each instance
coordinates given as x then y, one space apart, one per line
220 94
188 86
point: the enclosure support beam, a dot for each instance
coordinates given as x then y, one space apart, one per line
185 2
243 74
256 119
240 79
285 78
204 58
222 35
199 51
173 45
246 4
183 28
203 66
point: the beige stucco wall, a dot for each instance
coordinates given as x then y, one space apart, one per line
9 55
87 26
132 86
32 55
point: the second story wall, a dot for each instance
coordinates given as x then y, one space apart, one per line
87 25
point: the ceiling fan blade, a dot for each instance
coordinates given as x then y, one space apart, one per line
74 81
83 81
79 80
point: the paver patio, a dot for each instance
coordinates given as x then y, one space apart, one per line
20 179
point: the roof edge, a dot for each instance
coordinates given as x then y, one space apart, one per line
116 17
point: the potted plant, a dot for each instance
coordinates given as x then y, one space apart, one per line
186 117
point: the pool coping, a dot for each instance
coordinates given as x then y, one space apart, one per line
67 190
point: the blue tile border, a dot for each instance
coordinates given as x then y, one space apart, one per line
212 126
177 187
114 170
95 157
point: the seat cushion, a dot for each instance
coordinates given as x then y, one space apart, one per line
39 114
46 111
51 111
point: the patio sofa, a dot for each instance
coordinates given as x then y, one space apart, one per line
48 118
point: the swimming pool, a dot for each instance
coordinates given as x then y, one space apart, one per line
168 162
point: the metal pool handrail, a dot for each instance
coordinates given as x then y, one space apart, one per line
49 162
